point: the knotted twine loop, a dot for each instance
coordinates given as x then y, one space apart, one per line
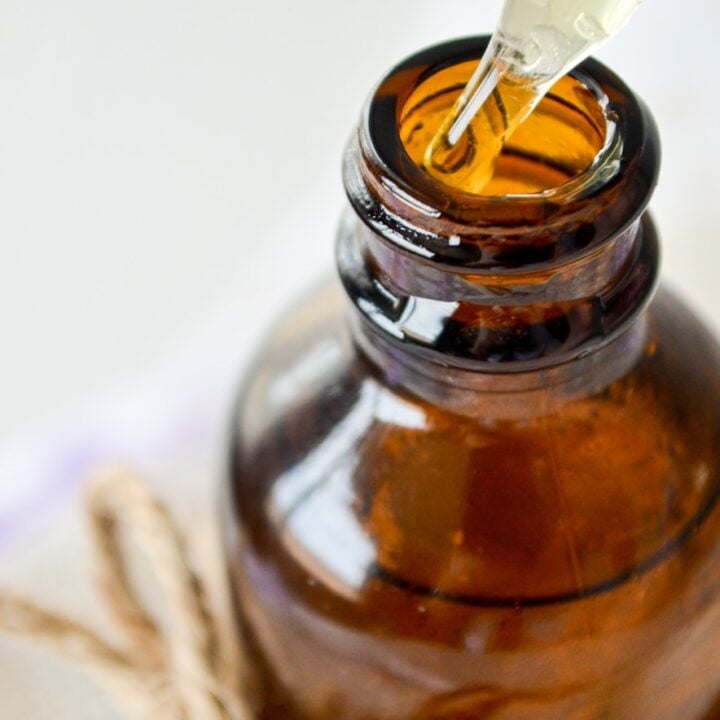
179 672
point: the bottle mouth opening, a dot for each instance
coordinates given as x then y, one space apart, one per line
568 146
574 177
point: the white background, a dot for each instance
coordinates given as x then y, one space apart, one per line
169 179
169 170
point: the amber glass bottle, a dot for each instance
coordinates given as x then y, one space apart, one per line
481 481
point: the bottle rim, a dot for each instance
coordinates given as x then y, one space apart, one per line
418 215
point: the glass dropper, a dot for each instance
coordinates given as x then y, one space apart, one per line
535 44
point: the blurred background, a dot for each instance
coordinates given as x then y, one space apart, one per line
170 168
170 179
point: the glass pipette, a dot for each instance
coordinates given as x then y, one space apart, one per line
535 44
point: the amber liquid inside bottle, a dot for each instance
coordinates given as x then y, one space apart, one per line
493 493
568 128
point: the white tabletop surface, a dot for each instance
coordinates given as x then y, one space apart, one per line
169 178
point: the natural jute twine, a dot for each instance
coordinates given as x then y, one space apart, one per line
178 672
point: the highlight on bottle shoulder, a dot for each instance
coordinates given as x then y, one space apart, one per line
537 43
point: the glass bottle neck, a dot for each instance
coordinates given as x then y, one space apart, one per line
499 323
508 294
502 396
515 346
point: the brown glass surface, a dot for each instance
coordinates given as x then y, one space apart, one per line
484 483
401 561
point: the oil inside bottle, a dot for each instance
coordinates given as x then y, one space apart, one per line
470 163
556 143
536 43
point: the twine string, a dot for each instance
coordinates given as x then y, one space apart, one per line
177 672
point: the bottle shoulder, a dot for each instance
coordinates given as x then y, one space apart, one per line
366 478
310 358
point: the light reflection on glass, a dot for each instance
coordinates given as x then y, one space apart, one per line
314 502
